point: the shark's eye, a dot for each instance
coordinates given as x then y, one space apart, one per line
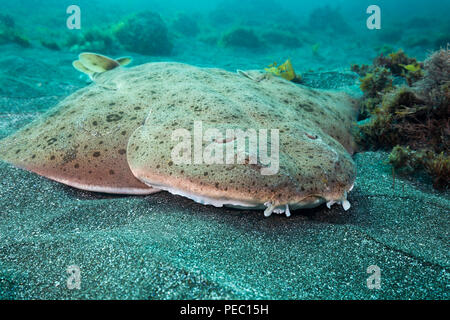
313 137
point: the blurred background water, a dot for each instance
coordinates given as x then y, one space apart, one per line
332 30
233 34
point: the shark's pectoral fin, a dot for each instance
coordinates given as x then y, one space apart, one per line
94 64
80 67
124 61
97 63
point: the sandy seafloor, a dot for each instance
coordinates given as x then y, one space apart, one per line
167 247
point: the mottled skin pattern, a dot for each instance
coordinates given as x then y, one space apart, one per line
82 142
117 132
315 139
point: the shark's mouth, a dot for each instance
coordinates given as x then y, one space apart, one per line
269 208
216 202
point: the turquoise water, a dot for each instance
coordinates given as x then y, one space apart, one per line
164 246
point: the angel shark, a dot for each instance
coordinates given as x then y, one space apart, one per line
117 136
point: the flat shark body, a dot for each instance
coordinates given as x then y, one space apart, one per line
115 136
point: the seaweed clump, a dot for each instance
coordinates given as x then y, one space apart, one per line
7 21
413 118
378 79
437 165
144 33
242 38
399 64
9 32
186 25
282 38
94 39
328 19
375 84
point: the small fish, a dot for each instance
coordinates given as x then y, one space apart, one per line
411 67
